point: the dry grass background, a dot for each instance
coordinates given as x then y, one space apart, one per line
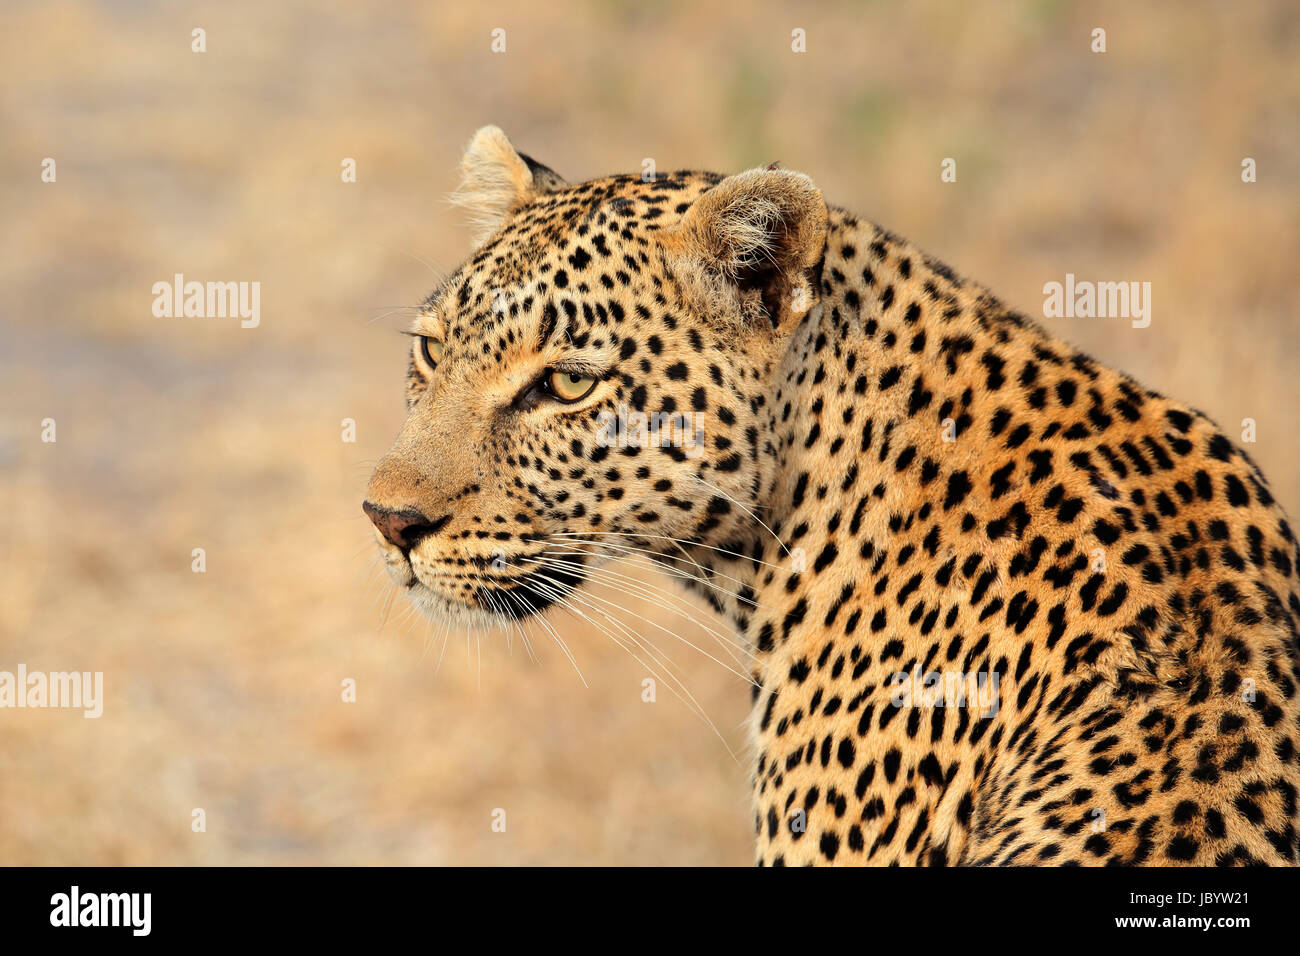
223 689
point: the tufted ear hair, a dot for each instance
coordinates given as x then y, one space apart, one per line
759 233
496 179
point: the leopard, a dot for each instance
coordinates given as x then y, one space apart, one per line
1000 603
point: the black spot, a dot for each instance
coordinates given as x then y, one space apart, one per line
891 762
1220 448
958 487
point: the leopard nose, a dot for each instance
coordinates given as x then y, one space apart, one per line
403 528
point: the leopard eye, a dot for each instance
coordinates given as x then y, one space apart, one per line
569 386
431 349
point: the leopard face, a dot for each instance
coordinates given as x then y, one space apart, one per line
593 381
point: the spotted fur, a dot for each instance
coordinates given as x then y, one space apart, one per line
900 475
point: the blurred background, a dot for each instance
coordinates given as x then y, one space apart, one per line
223 688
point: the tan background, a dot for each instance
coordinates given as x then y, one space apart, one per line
223 689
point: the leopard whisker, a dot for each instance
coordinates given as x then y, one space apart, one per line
736 652
719 491
668 602
561 600
540 618
691 644
653 562
694 544
674 684
516 624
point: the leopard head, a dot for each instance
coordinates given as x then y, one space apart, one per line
595 379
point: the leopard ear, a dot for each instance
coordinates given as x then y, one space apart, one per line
758 235
496 179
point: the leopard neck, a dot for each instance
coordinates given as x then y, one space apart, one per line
869 400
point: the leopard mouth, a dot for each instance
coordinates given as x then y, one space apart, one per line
539 583
531 592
